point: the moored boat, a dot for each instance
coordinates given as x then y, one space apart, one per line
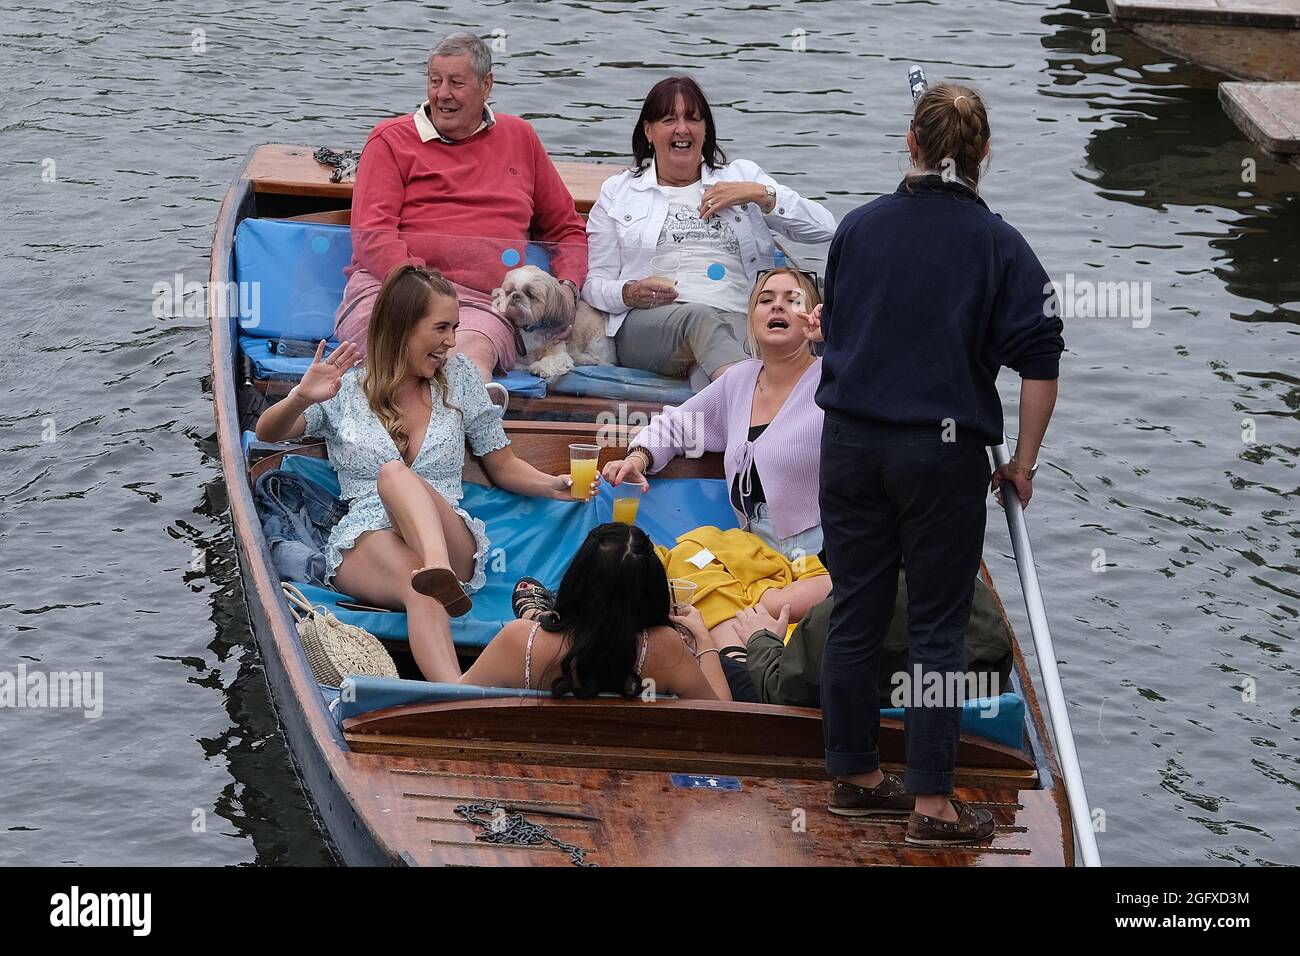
407 772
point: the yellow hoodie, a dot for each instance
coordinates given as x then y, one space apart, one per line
741 569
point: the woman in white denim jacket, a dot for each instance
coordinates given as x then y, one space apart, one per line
676 243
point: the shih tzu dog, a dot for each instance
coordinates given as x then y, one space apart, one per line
554 338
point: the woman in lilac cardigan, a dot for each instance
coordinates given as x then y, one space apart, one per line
760 413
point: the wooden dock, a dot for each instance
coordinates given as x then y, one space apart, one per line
1268 113
1246 39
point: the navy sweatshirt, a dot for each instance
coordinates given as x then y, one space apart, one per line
928 294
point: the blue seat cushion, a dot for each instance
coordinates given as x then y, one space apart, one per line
999 719
626 384
539 537
530 536
519 382
298 267
375 693
269 366
299 270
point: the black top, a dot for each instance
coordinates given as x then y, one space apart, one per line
756 495
928 294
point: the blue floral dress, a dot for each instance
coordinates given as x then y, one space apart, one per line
359 446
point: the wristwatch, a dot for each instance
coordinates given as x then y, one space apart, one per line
771 200
1033 470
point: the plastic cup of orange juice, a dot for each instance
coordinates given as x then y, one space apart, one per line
583 460
627 498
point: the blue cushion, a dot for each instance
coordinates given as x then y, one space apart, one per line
537 255
628 384
999 719
519 382
531 536
366 694
539 537
299 267
267 365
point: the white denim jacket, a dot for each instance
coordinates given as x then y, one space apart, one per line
624 225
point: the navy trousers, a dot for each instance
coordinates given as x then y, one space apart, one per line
892 493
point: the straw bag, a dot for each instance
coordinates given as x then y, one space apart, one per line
336 650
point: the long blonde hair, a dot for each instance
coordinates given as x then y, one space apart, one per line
811 299
404 299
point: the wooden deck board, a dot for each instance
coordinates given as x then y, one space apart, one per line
645 820
1245 39
1268 113
293 171
1273 14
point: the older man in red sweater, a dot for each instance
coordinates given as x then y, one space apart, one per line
459 188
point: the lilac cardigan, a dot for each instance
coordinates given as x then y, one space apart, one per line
788 453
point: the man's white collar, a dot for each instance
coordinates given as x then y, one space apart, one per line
424 125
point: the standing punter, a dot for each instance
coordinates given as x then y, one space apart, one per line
928 294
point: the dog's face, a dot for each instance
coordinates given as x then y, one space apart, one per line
534 302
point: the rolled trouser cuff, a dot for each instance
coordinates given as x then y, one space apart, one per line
846 764
928 782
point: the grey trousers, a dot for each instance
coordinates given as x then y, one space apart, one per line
669 339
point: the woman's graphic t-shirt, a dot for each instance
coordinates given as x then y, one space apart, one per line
704 255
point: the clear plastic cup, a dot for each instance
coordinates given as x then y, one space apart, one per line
683 594
627 498
583 461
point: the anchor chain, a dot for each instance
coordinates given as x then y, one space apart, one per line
513 829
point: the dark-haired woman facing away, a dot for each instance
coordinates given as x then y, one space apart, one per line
601 645
928 294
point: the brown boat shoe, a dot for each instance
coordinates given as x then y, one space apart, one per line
886 798
971 826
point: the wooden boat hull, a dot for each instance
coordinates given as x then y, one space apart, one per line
1242 46
386 784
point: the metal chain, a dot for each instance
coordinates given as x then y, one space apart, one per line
514 829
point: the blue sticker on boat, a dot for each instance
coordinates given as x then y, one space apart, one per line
702 781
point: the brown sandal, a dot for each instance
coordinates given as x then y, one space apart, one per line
443 586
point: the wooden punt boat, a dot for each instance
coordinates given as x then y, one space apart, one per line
598 774
1246 39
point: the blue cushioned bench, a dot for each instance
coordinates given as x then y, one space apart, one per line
539 537
299 267
1000 719
514 523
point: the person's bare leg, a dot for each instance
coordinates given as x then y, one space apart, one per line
802 596
461 545
478 348
414 514
377 571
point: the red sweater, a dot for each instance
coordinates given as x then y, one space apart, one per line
457 207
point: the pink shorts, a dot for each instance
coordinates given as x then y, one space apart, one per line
352 321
